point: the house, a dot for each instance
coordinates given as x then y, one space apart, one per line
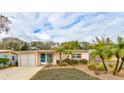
11 55
40 57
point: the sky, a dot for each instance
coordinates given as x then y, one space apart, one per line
64 26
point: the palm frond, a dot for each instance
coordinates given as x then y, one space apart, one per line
95 54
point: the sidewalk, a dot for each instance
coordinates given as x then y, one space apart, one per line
18 73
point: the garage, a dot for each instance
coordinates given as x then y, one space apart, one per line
27 59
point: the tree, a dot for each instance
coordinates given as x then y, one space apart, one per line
84 45
122 60
71 45
117 50
25 47
4 24
41 45
4 61
12 43
60 50
75 45
102 50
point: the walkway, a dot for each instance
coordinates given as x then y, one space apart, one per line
18 73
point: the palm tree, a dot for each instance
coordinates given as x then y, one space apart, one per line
117 50
102 50
60 50
102 54
122 60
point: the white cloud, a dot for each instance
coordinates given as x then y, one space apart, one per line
88 26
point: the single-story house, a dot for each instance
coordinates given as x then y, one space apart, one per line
11 55
40 57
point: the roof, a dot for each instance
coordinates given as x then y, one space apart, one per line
78 50
6 51
46 50
54 51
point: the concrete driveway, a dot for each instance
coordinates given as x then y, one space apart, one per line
18 73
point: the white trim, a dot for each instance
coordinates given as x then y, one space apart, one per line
76 56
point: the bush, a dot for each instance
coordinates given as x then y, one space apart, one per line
92 66
100 67
83 61
61 64
68 61
96 67
71 61
4 61
74 62
58 62
16 63
110 65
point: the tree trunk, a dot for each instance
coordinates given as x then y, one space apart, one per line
119 69
116 67
60 58
4 65
68 56
103 61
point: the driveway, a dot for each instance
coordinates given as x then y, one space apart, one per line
18 73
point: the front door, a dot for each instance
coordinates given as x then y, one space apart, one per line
43 58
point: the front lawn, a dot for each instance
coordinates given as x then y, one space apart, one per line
62 74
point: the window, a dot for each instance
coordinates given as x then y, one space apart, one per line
76 56
49 58
13 58
73 56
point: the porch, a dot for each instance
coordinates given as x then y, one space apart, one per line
45 57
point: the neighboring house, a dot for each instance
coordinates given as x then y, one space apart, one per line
39 57
11 55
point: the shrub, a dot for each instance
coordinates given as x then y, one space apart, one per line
83 61
16 63
92 66
4 61
58 62
74 62
70 61
67 60
61 64
110 65
100 67
96 67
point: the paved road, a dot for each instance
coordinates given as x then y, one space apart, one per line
18 73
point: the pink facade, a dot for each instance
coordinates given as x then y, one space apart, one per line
85 56
36 58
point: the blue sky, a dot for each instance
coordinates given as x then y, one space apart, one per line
60 27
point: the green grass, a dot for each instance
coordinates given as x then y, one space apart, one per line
62 74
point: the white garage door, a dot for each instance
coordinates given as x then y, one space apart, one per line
27 59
